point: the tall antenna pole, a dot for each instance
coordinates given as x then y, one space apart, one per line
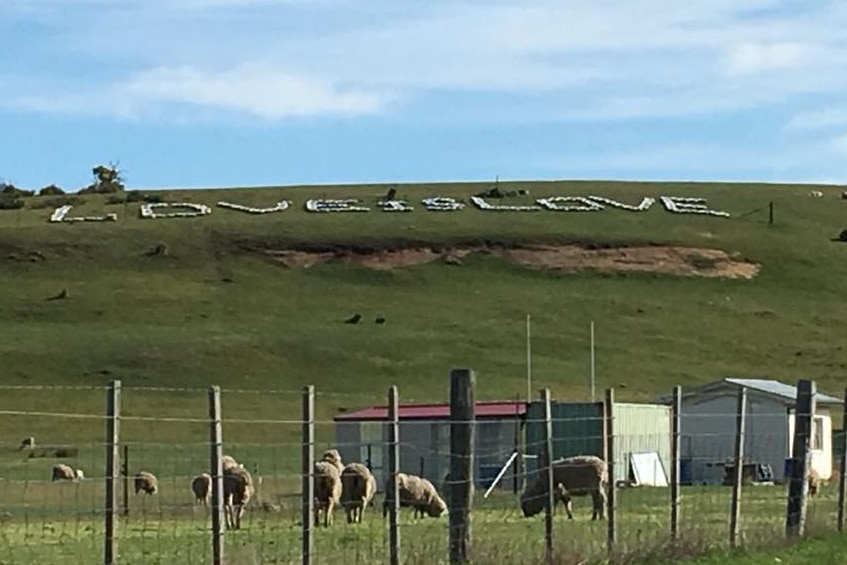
528 361
592 361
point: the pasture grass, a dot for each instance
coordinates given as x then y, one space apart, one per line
63 523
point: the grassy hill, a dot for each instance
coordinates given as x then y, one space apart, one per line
221 307
217 310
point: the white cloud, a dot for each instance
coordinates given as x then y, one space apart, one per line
584 59
819 119
251 88
755 57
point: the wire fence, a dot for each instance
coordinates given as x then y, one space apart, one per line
673 485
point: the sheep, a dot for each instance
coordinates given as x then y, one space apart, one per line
238 489
572 476
27 443
417 492
228 462
146 482
201 486
358 487
332 456
62 472
814 482
327 488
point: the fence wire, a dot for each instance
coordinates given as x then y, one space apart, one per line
166 432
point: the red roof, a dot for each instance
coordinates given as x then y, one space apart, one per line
437 411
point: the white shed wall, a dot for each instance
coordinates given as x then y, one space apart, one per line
821 458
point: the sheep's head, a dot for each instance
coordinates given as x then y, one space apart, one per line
79 474
437 506
332 456
533 499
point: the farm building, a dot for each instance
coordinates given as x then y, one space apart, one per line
425 439
708 423
642 438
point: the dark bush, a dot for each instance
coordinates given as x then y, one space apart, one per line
11 190
51 190
10 203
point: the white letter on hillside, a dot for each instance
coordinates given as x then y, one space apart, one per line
483 205
686 205
395 206
196 210
442 204
553 203
645 205
281 206
331 205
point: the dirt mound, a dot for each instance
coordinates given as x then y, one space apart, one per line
686 261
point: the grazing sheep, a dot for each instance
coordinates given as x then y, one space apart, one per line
27 443
332 456
327 487
238 488
572 476
201 486
146 482
417 492
358 487
62 472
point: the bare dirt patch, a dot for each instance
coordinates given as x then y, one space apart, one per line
683 261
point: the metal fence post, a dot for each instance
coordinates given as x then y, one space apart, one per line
676 444
393 469
308 485
113 470
547 452
740 423
216 467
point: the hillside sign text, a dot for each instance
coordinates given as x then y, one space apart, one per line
673 204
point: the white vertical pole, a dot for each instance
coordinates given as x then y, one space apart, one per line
528 361
592 360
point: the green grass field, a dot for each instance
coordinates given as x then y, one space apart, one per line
217 311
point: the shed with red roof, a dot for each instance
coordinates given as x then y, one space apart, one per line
425 439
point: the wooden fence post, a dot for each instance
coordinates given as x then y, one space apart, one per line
216 468
113 470
795 520
547 462
740 423
307 464
676 445
842 479
393 469
462 416
611 504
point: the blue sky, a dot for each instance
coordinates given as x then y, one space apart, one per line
193 93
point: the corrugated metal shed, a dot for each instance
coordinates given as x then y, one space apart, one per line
785 393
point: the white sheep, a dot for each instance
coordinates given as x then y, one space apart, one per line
327 486
146 482
358 487
62 472
201 486
228 461
572 476
238 489
417 492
